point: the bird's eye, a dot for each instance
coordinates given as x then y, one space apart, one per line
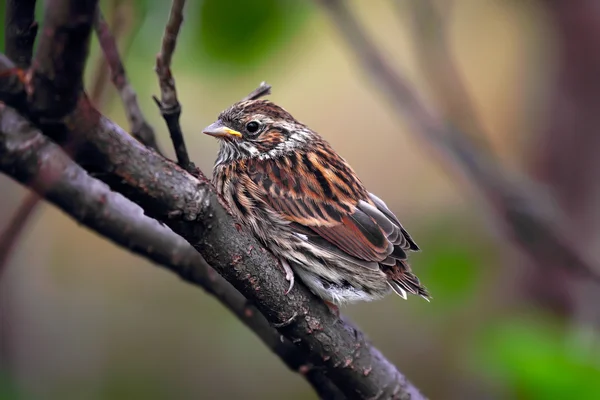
252 126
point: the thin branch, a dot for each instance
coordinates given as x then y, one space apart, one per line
33 160
121 21
12 233
55 85
526 212
169 104
20 30
140 128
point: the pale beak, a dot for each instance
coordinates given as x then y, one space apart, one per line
217 129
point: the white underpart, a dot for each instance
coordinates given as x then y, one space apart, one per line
335 295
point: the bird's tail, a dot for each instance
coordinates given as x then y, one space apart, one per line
403 281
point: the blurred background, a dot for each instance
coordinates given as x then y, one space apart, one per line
83 319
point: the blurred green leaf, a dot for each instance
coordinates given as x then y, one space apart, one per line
236 34
2 16
7 389
538 361
451 266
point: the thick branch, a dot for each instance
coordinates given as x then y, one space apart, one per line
20 30
140 128
524 210
57 69
33 160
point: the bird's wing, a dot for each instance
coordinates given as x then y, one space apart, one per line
328 205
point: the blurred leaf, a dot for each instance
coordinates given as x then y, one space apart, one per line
2 16
237 34
535 359
7 389
451 265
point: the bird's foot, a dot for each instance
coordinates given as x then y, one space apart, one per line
289 274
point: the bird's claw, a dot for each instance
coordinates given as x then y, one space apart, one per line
289 275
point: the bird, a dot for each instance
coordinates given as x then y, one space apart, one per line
288 186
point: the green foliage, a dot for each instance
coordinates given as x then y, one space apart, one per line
538 360
235 34
2 16
451 265
7 389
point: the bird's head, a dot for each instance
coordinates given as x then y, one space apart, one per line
257 128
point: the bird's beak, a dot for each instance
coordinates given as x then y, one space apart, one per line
217 129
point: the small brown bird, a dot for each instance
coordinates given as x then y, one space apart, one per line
305 203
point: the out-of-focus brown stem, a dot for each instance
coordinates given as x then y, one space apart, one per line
140 128
564 155
12 233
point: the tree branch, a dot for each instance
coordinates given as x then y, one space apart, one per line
140 128
33 160
169 104
56 83
525 211
20 30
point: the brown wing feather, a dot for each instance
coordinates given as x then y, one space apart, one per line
323 198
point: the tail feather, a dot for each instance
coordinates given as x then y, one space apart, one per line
403 281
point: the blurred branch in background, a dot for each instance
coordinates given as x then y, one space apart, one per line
109 39
525 212
564 155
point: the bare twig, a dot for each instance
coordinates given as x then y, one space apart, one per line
20 30
525 211
12 233
121 21
169 104
140 128
33 160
